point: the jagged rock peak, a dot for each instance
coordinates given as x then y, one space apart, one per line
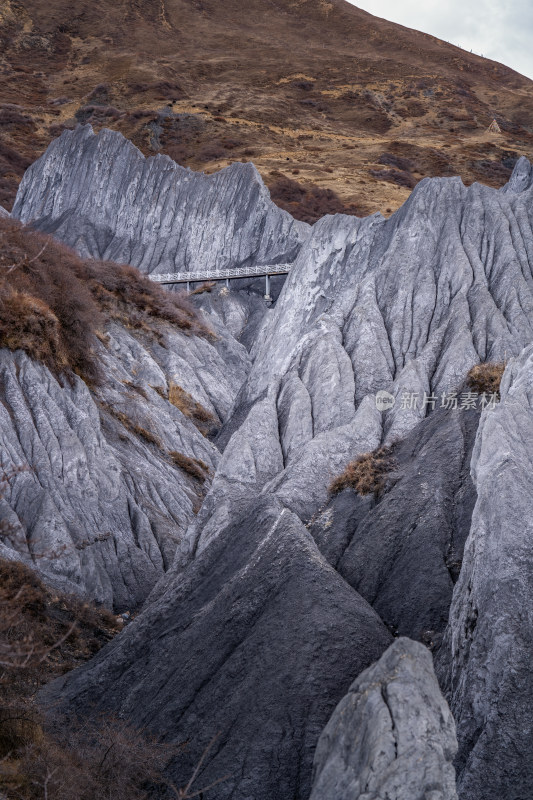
522 178
100 195
392 736
216 654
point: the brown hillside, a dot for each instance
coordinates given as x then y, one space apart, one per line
337 108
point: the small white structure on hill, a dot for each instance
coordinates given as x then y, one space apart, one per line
494 127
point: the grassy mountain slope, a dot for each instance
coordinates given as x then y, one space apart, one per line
337 108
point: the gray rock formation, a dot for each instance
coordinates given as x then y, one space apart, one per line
4 213
403 553
98 194
408 305
392 737
485 661
101 508
256 643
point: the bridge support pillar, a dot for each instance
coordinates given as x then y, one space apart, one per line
268 299
227 283
188 286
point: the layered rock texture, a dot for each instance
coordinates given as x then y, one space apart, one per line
103 505
392 736
275 595
485 660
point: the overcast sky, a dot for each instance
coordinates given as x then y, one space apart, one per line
497 29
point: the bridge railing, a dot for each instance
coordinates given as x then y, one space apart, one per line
222 274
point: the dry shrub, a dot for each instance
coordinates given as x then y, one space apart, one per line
100 94
97 115
134 427
132 298
194 467
45 308
12 166
27 323
99 761
188 406
486 378
162 90
10 116
19 728
367 474
147 435
135 387
392 160
52 303
42 633
104 759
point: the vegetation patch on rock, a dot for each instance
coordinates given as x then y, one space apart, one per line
486 378
53 303
368 474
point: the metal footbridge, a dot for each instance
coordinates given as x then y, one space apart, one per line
226 275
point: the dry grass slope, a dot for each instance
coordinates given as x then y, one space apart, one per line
321 91
53 304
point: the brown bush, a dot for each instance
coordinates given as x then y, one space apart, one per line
367 474
45 309
42 631
97 115
10 115
100 94
103 759
162 90
134 427
392 160
19 728
52 303
43 635
98 761
192 466
188 406
485 378
126 294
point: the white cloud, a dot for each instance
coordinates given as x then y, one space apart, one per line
498 29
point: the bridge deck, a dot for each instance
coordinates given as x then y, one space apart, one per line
222 274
